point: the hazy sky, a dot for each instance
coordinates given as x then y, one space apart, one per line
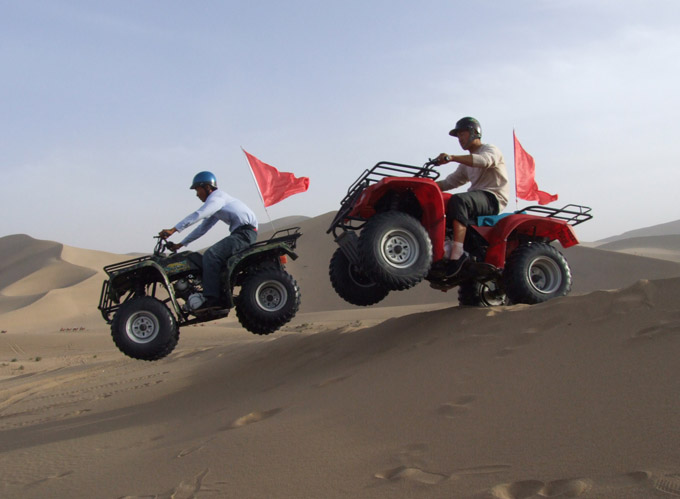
109 108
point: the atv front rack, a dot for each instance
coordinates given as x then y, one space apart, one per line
573 214
380 171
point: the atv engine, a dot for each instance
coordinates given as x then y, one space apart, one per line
190 290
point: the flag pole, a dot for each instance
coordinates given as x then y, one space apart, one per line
514 159
257 186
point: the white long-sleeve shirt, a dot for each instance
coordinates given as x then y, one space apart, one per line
218 206
487 173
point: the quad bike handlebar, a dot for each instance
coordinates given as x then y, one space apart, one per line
161 246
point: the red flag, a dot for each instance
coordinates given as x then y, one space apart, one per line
274 185
525 181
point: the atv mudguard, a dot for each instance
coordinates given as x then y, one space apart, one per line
125 275
534 227
428 195
259 253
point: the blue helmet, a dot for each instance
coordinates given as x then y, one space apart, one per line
204 178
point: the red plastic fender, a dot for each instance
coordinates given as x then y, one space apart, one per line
429 196
531 225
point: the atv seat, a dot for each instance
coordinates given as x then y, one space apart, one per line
490 220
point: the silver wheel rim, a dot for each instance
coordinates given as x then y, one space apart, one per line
491 296
271 296
359 279
142 327
545 275
399 248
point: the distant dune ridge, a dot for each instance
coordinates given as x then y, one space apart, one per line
416 397
664 229
32 270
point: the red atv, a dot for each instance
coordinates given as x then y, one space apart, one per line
391 229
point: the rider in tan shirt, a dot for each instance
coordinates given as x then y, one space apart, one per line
484 168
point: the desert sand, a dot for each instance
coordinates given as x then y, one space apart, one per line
417 397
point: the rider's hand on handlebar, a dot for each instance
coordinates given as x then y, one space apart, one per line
166 233
442 159
173 246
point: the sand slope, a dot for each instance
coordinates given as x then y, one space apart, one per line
418 397
573 398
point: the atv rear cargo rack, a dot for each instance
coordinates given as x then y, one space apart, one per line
290 237
127 263
573 214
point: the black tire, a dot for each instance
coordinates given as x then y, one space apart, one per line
268 300
535 273
395 250
352 284
144 329
478 294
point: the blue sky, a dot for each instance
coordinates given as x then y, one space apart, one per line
109 108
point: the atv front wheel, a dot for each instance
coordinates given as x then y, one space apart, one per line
267 301
352 284
395 249
144 329
481 294
535 273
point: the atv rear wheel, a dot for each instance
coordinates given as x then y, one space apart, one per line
267 301
395 249
481 294
352 284
143 328
535 273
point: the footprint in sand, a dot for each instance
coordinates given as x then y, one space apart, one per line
55 476
482 470
453 409
662 329
412 474
331 381
566 488
253 417
668 483
530 488
188 450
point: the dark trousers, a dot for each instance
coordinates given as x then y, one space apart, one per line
467 206
217 255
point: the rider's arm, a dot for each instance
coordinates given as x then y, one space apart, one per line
455 179
465 159
204 227
211 206
487 156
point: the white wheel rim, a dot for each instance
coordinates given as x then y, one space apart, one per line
142 327
399 248
271 296
545 275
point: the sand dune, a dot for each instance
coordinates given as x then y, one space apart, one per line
664 229
665 247
577 397
573 398
46 286
33 267
34 270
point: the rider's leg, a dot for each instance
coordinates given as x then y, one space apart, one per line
459 231
216 257
463 210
